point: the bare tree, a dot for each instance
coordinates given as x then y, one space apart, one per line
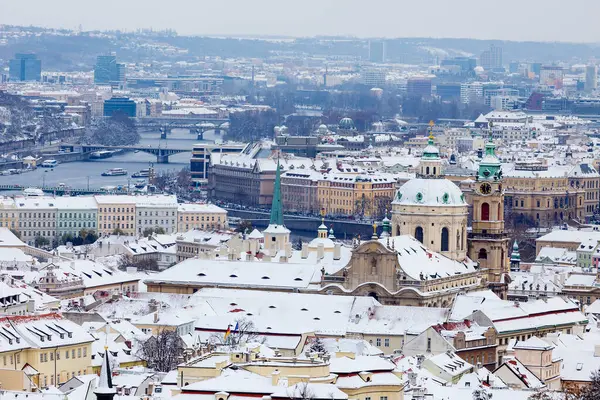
482 393
162 352
540 396
592 391
243 331
300 391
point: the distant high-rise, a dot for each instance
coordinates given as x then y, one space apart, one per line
552 76
373 77
591 77
492 58
377 51
107 71
25 67
466 64
418 86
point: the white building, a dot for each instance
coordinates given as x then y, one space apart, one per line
156 211
37 217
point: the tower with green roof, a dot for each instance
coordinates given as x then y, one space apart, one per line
515 257
488 244
277 236
489 167
430 165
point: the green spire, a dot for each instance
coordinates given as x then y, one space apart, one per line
489 167
277 206
515 255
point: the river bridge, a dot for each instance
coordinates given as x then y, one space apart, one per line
162 153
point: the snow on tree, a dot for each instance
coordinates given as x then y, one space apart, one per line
317 346
592 392
482 393
118 130
162 352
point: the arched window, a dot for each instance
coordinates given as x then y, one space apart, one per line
482 254
445 239
485 212
463 236
427 171
398 230
434 170
499 212
457 239
419 234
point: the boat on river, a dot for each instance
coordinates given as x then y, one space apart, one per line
115 172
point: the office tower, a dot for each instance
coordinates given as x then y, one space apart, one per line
552 76
591 77
108 71
25 67
119 105
418 86
377 51
373 77
492 58
466 64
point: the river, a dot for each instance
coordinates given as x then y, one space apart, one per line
79 174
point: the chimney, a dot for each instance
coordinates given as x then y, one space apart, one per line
597 350
275 378
320 251
288 250
304 250
337 251
248 257
266 258
412 378
155 317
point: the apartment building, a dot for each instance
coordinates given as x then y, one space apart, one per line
37 217
55 347
201 216
116 213
157 211
75 214
9 215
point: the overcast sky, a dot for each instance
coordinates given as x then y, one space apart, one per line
540 20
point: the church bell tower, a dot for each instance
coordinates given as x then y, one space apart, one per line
488 244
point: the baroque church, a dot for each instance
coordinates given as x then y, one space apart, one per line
426 254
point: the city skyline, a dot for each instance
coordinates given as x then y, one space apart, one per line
384 18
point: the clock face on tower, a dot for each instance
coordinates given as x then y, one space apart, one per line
485 188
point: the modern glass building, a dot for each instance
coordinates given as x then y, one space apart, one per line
25 67
107 71
119 104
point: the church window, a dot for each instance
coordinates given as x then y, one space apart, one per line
434 170
485 212
457 239
427 171
445 197
419 234
419 197
482 254
445 239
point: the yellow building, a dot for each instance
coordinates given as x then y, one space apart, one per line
9 217
116 213
50 348
342 375
355 194
201 216
544 195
